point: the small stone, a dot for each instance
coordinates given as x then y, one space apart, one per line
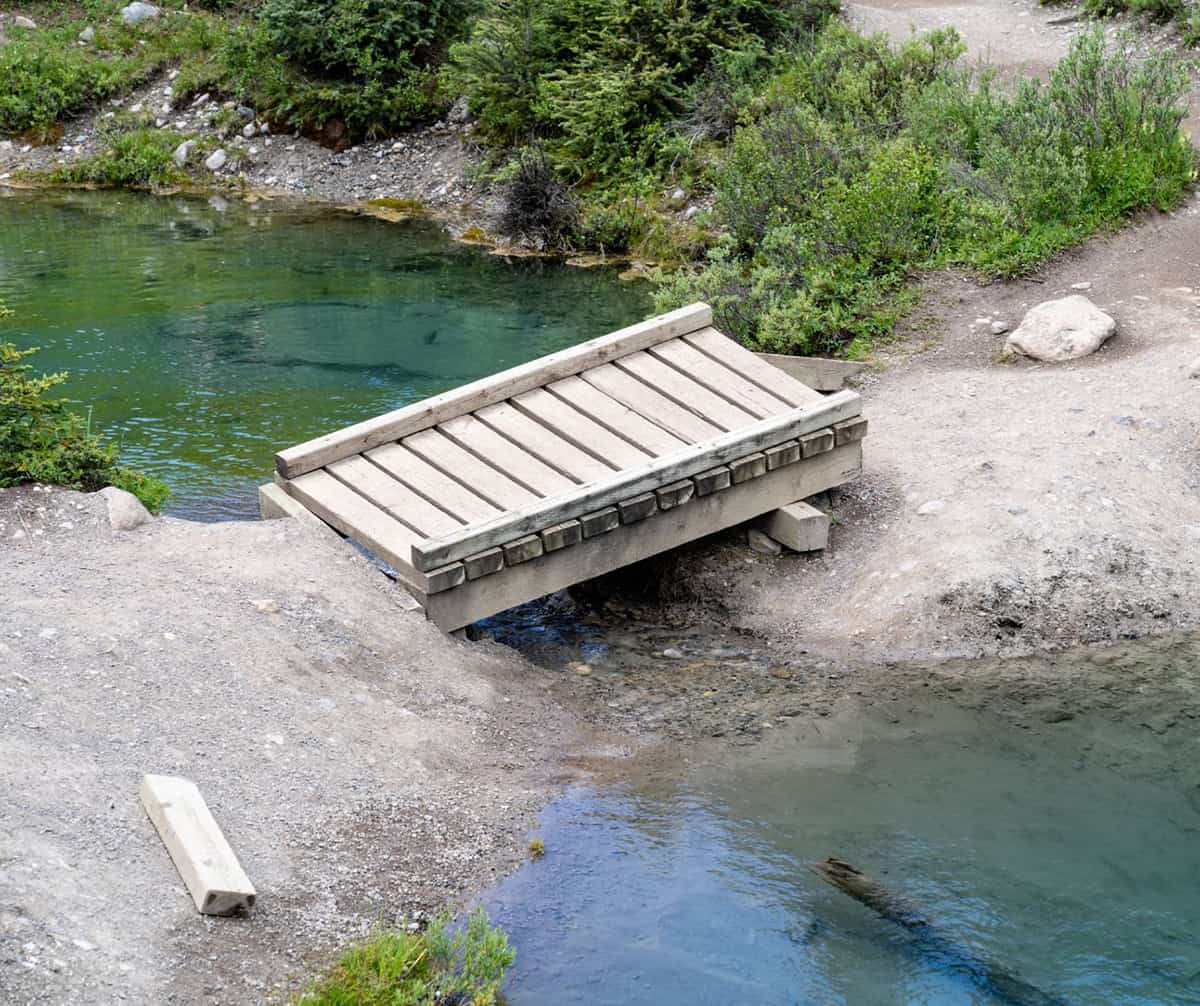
84 945
692 211
21 21
200 99
762 543
245 111
216 160
931 508
999 327
248 130
678 197
671 653
583 670
1194 369
138 12
135 109
1082 287
266 605
88 35
125 511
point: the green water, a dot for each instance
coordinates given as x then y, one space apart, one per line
207 336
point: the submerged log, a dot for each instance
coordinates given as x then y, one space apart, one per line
1001 981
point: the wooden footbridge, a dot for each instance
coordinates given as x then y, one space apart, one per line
576 464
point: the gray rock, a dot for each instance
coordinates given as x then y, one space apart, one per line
691 211
245 111
216 160
125 511
673 653
763 543
248 130
999 327
1083 287
183 152
21 21
1194 369
678 197
88 35
1063 329
459 112
931 508
138 12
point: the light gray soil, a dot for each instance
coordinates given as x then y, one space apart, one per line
363 766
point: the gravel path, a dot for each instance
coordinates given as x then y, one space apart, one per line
363 766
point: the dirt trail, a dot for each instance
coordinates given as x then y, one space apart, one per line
1068 494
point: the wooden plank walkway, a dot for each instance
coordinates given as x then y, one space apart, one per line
575 464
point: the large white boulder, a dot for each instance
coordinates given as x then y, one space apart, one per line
125 511
1063 329
136 13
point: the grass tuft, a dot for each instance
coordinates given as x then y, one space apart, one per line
435 968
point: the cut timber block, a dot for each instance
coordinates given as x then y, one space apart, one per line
784 454
749 467
713 481
203 858
676 494
849 432
812 444
523 549
600 522
800 527
637 508
561 535
445 577
484 563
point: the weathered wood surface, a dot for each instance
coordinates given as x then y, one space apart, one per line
665 529
816 372
396 425
999 979
471 485
622 485
205 862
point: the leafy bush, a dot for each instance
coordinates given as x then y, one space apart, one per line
369 63
860 164
536 204
43 440
428 969
139 158
602 80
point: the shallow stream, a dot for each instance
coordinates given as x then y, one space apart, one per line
1065 848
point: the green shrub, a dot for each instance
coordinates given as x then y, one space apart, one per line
432 968
861 164
43 440
139 158
602 80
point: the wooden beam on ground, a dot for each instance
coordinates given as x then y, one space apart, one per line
667 529
434 552
201 854
401 423
817 372
798 526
